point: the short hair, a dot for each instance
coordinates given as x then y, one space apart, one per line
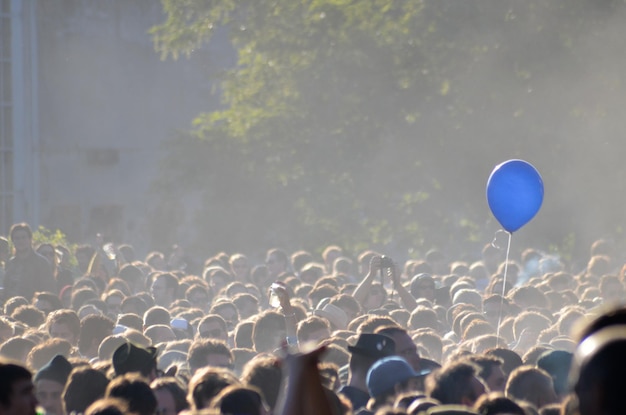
423 317
131 274
496 403
16 347
66 317
170 281
238 399
243 334
530 319
93 328
265 373
9 374
130 320
13 303
450 384
133 389
207 383
200 349
309 325
23 226
345 301
175 388
485 364
29 315
209 318
156 315
84 386
49 297
264 330
300 259
280 254
108 346
136 302
108 406
43 353
528 383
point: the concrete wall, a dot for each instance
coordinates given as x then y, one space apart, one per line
106 104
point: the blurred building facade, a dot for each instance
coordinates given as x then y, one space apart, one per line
85 106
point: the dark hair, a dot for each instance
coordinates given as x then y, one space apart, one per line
9 374
236 399
84 386
51 298
13 303
133 389
21 227
200 349
207 383
175 388
496 403
107 406
67 317
29 315
265 326
94 328
265 373
450 384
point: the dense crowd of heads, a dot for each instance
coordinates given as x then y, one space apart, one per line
96 329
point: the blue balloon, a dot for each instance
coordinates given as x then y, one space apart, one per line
514 193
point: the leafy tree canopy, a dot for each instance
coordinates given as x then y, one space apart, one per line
379 121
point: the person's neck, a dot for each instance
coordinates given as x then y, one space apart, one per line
358 381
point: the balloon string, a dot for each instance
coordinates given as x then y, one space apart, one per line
506 268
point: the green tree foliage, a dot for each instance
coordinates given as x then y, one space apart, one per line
379 121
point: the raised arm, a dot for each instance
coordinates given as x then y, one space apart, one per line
360 292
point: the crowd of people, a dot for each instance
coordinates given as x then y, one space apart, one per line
95 330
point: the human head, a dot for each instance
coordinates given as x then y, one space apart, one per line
207 383
240 267
21 237
209 352
531 384
404 346
314 329
597 372
131 358
17 392
277 262
134 390
49 383
456 384
388 377
489 370
238 399
93 329
84 386
164 289
170 395
269 331
64 324
212 326
423 286
265 373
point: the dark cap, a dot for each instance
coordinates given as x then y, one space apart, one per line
386 373
58 369
132 358
374 345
